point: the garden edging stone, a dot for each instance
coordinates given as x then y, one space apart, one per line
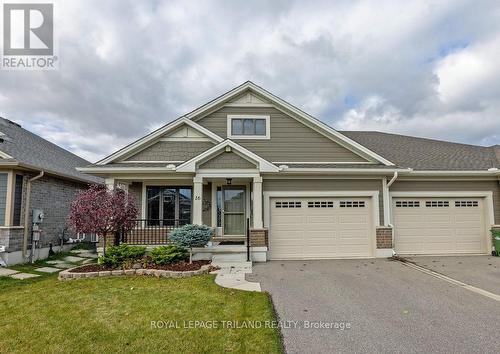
68 275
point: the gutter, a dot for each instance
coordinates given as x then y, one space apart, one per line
389 208
27 212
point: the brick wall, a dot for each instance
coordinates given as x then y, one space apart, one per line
12 238
258 237
384 237
54 196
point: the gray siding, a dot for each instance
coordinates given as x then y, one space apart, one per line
290 139
228 161
3 197
171 151
326 185
452 186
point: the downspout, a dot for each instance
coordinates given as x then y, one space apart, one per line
27 212
389 211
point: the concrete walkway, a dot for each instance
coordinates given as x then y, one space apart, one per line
232 275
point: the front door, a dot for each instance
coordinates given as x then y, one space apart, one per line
233 210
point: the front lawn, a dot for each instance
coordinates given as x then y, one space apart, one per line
108 315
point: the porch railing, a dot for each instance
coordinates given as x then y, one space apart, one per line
151 231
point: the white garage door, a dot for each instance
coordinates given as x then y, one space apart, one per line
439 226
309 228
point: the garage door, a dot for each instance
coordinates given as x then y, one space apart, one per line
439 226
309 228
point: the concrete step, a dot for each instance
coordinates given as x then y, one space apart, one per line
229 257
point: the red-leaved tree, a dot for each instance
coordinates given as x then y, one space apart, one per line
102 211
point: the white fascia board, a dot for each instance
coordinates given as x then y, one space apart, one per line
157 133
455 173
4 155
340 138
345 170
100 170
264 165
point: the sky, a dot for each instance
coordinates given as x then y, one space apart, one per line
422 68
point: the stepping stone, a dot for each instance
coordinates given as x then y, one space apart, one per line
6 272
87 261
22 276
79 251
47 270
56 262
64 265
73 259
88 255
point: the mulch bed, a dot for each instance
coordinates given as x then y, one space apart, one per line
177 267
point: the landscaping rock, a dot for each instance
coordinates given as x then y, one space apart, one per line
73 259
117 272
137 266
129 271
103 273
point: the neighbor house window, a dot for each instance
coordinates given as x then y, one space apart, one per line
168 206
248 127
18 198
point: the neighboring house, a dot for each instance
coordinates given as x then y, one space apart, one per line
310 191
34 174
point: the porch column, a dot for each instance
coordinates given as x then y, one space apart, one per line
110 183
197 200
257 203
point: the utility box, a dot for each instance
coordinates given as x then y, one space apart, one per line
38 216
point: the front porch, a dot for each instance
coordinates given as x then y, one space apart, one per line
231 204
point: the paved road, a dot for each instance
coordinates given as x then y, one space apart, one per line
390 307
479 271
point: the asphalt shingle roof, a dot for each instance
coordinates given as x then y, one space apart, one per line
30 149
427 154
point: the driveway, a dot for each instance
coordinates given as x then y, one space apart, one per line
389 307
480 271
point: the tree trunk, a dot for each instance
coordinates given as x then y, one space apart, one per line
190 255
104 244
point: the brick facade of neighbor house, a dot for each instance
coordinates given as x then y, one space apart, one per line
258 237
54 196
384 237
12 238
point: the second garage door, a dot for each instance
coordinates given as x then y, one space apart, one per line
439 226
315 228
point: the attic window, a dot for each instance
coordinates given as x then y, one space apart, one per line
248 127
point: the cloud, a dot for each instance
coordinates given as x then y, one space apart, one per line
425 68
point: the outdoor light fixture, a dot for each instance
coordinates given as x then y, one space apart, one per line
229 180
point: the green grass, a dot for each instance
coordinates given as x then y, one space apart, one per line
108 315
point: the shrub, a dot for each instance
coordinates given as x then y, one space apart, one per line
118 256
190 236
168 254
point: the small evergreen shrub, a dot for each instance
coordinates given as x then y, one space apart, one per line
168 254
189 236
118 256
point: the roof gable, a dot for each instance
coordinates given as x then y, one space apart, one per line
239 96
181 129
227 145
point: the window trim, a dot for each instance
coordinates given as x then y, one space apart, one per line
146 215
230 117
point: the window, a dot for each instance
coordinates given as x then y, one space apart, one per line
168 206
437 204
352 204
408 204
285 205
248 127
18 197
466 203
319 204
